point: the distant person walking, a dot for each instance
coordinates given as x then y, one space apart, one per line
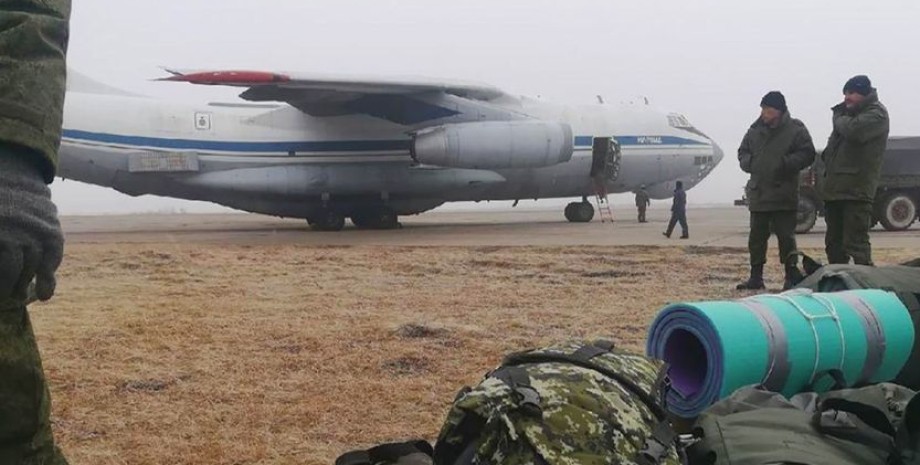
642 203
678 212
853 162
774 150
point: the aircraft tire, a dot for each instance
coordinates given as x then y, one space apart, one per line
386 218
376 218
328 221
360 220
570 212
579 212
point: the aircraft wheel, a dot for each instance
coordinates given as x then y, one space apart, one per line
328 221
360 220
570 212
579 212
376 218
386 218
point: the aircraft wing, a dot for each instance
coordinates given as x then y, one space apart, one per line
330 95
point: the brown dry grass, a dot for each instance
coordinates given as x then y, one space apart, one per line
291 355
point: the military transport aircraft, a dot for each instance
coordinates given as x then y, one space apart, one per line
326 148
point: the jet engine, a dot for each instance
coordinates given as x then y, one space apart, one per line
494 145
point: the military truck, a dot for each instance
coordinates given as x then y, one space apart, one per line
897 201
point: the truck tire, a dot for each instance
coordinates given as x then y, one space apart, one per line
806 216
897 211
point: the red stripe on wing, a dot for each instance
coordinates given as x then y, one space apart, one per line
229 77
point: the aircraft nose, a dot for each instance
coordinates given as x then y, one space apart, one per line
717 153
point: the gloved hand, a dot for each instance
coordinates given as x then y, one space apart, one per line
31 242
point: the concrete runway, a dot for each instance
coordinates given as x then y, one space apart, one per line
722 226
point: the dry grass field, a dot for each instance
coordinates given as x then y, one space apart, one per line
197 354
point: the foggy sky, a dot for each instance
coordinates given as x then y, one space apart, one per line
710 60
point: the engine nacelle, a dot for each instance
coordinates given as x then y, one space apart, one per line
495 145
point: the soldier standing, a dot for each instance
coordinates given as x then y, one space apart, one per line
774 150
642 203
33 43
853 161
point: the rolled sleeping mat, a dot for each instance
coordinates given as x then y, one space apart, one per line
786 343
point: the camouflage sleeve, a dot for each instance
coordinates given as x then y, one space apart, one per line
33 44
745 155
802 154
864 126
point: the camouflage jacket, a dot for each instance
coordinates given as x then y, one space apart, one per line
33 44
774 157
642 198
853 157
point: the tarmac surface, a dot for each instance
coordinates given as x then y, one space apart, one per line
718 226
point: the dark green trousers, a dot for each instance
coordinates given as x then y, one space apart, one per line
781 223
848 224
25 407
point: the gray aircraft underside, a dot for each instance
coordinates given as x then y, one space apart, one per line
326 148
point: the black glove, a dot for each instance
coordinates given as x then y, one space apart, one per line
31 242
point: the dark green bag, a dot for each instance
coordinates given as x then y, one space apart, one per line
903 280
874 425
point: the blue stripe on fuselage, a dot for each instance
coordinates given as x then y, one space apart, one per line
320 146
226 146
587 141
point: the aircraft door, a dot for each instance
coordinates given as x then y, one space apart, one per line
605 159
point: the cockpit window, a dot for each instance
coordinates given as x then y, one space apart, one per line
679 121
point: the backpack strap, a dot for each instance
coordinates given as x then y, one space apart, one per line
857 422
657 446
518 380
840 381
587 352
582 358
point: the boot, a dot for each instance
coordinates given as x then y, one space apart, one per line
755 282
793 277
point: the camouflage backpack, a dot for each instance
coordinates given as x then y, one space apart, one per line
873 425
574 404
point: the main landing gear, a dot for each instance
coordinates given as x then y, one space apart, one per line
327 220
381 217
579 212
